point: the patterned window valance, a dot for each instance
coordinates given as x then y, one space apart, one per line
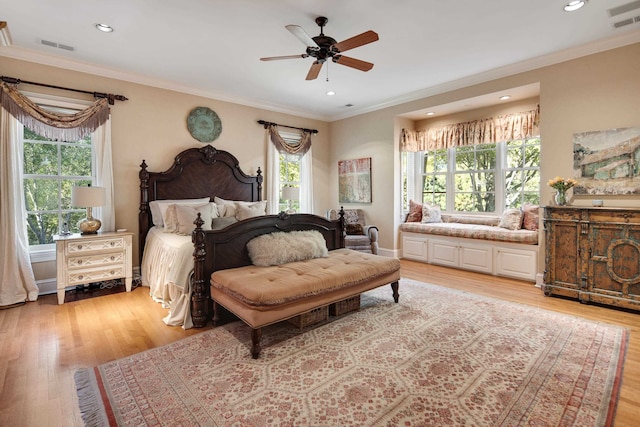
287 147
62 127
490 130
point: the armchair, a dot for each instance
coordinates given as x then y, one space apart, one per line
359 236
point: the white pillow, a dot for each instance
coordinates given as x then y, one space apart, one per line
245 212
511 219
229 208
186 215
431 213
283 247
157 211
171 221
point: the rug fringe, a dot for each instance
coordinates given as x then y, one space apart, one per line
89 399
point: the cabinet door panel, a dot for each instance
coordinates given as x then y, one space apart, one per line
564 256
443 253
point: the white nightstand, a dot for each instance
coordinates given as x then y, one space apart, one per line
89 258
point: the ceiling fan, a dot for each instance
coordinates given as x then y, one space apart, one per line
324 47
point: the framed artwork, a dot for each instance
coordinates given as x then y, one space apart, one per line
607 162
354 180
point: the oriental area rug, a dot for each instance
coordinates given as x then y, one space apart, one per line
440 357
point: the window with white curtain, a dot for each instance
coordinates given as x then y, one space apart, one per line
50 169
291 167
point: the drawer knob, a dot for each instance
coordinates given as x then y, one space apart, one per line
79 246
79 262
80 277
113 243
112 257
113 272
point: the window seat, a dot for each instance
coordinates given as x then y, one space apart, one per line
473 243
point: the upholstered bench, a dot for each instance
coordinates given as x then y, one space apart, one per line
261 295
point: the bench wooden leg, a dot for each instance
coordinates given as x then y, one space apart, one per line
396 295
216 314
256 335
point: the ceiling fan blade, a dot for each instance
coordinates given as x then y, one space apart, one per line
352 62
302 35
356 41
314 70
276 58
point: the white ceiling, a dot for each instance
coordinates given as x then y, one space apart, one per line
212 47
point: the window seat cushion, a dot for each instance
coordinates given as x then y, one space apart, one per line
473 231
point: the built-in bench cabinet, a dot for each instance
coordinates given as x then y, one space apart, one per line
498 258
593 254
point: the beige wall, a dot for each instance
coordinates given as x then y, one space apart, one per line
151 125
596 92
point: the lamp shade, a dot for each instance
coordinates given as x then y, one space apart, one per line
86 197
5 36
290 193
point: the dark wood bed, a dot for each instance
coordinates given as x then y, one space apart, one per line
208 172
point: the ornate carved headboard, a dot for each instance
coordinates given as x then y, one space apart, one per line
195 173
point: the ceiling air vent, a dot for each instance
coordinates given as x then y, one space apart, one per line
619 10
625 22
58 45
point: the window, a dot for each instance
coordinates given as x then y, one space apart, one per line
478 178
50 169
289 177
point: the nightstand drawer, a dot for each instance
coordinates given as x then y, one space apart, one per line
83 246
95 260
95 275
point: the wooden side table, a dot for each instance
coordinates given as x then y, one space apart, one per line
89 258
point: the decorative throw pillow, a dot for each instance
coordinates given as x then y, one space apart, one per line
511 219
531 217
222 222
431 213
229 208
244 212
283 247
158 208
171 222
354 229
415 212
186 215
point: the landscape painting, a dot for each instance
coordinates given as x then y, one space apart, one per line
607 162
354 180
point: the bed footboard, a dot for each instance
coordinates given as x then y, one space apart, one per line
227 248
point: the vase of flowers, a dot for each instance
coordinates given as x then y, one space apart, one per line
561 185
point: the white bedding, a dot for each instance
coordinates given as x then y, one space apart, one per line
166 265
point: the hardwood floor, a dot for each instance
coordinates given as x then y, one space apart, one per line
43 343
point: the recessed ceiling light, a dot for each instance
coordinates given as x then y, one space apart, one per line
574 5
104 28
505 97
430 113
330 93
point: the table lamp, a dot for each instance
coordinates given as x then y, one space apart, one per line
290 194
88 197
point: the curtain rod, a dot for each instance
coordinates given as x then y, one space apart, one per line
110 97
266 124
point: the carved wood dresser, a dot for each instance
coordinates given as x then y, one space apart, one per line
593 254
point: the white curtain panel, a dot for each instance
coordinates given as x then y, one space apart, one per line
101 141
17 282
306 182
272 177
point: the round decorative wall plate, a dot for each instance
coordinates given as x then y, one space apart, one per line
204 124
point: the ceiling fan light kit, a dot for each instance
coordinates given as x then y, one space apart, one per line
322 48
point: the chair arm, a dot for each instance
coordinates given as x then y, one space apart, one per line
372 232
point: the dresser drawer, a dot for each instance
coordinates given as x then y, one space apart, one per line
95 275
84 246
86 261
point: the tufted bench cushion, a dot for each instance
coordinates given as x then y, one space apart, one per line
280 284
264 295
